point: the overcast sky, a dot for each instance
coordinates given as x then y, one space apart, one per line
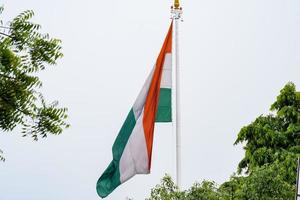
235 56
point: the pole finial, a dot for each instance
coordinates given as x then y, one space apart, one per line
176 4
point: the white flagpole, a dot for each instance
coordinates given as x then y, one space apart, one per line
297 196
176 15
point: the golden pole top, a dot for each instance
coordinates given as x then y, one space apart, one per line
176 4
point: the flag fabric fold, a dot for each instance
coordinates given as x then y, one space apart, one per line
132 149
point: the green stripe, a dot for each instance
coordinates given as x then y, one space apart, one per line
164 110
110 179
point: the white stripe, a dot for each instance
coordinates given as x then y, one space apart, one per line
140 100
134 159
166 80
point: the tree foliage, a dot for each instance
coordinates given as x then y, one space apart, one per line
266 183
167 190
272 145
25 52
274 138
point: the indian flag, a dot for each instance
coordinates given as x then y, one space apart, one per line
132 148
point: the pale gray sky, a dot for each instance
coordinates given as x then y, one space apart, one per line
235 57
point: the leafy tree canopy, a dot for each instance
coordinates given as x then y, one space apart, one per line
24 52
274 138
167 190
272 145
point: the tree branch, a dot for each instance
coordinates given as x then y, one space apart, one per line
5 35
15 107
6 27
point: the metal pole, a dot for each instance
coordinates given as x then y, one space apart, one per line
297 184
178 114
176 15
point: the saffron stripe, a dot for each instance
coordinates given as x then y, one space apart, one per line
151 103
